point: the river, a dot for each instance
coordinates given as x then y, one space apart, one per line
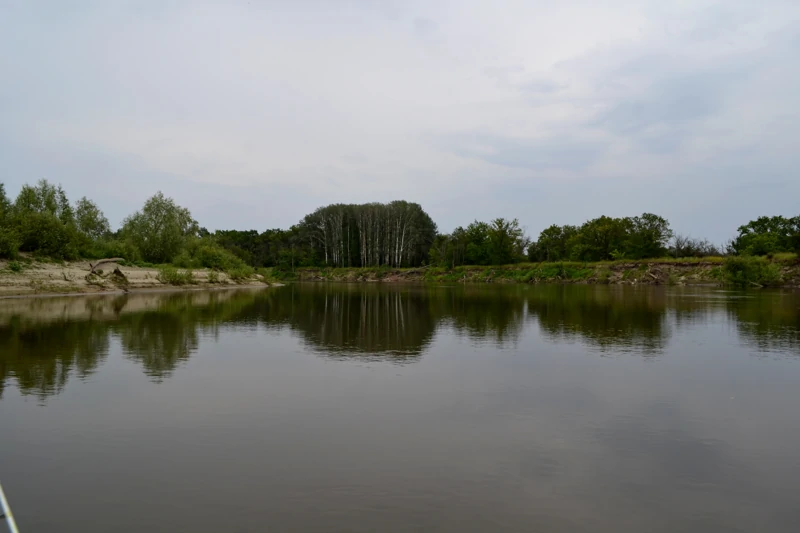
403 408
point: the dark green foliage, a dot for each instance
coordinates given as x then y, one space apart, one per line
45 235
160 229
768 235
42 221
745 271
90 220
498 243
604 238
552 244
9 243
648 236
5 205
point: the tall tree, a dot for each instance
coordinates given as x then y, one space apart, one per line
90 219
648 236
767 235
506 241
160 229
5 204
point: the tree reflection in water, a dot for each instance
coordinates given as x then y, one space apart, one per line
46 342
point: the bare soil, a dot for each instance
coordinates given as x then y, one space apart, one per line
38 278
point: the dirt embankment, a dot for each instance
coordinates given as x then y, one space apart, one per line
615 273
34 278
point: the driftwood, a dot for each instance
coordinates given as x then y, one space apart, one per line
93 267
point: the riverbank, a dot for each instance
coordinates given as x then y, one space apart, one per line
31 278
703 271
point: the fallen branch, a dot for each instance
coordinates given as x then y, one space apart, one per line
93 267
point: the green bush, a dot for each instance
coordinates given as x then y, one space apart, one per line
172 276
240 273
213 276
15 266
744 271
185 260
213 256
103 248
45 235
9 243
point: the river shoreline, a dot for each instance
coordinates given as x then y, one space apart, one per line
706 272
39 279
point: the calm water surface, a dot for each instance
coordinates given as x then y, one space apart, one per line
336 408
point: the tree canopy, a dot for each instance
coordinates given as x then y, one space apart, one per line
768 235
160 229
41 220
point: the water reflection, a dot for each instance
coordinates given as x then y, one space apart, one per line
609 318
45 342
352 320
768 322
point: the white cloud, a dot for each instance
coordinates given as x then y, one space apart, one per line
506 103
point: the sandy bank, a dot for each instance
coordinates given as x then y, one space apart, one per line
38 278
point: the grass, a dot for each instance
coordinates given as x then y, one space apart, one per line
241 273
172 276
785 258
778 270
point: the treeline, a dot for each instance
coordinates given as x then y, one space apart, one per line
42 221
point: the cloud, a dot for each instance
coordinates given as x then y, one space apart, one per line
547 154
417 100
424 27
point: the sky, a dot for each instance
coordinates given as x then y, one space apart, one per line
254 113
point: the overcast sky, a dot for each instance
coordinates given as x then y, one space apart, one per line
253 114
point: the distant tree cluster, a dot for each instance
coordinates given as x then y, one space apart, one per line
42 221
767 235
497 243
604 238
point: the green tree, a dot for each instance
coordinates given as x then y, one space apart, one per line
767 235
506 241
90 219
5 204
477 244
45 222
599 239
160 229
552 244
9 239
648 236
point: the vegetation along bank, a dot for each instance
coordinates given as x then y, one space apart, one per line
49 244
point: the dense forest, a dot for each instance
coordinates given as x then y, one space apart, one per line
42 221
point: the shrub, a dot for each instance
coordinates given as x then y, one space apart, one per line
213 256
172 276
45 235
9 243
213 276
15 266
241 273
184 260
746 271
103 248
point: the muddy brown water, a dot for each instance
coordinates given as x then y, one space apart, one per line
403 408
